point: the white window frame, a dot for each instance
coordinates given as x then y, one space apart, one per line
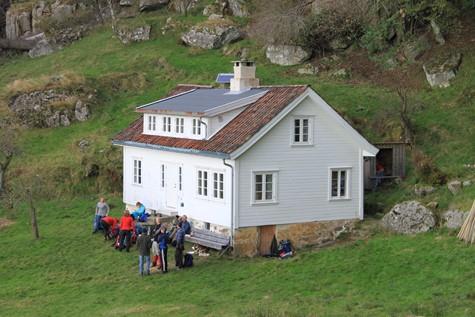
196 127
310 131
339 169
218 185
167 124
179 125
275 183
137 171
162 175
202 182
180 178
210 184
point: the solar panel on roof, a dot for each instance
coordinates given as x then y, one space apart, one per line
224 78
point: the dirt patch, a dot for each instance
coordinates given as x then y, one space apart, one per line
5 223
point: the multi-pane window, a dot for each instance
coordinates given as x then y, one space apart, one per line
152 123
180 178
167 124
196 126
162 182
302 131
138 172
218 185
265 187
339 183
179 125
202 183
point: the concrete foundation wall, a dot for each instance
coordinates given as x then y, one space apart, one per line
246 241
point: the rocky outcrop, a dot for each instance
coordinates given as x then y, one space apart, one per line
409 217
308 69
149 5
49 109
287 55
238 8
414 49
438 36
18 24
440 70
453 219
212 34
182 6
421 190
138 34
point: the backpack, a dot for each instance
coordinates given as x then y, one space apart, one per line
143 217
188 260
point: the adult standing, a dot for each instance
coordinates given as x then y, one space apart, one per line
125 233
180 246
102 210
144 243
162 240
185 224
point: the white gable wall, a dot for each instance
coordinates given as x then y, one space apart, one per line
303 172
216 123
154 197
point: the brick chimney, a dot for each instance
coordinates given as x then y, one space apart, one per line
244 76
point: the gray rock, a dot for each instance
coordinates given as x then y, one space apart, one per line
215 16
38 13
149 5
339 44
454 186
81 111
138 34
409 217
439 37
42 48
62 11
414 49
440 70
238 8
287 55
17 24
453 219
64 120
211 35
308 69
341 73
126 3
421 190
182 6
467 183
83 144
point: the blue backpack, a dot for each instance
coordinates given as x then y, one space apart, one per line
143 217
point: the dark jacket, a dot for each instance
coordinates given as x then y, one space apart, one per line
144 243
180 237
162 240
185 225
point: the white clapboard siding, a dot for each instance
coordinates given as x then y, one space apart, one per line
154 196
303 172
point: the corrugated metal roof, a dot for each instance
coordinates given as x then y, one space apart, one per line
199 100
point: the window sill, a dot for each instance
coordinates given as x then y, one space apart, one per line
340 199
137 185
264 203
210 199
301 145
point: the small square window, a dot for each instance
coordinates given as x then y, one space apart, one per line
302 131
264 187
339 183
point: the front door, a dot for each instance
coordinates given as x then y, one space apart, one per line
171 185
266 234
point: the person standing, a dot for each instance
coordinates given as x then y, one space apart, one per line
144 243
102 210
185 224
125 233
180 246
162 240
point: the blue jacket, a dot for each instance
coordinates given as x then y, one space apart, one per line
162 240
180 236
186 227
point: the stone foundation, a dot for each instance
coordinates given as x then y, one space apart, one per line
246 240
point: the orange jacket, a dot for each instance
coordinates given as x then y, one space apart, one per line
127 223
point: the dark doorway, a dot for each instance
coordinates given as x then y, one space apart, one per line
385 159
266 234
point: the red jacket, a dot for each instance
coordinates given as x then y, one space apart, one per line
127 223
111 221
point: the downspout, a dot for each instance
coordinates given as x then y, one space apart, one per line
232 199
206 127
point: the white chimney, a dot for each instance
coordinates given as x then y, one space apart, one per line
244 76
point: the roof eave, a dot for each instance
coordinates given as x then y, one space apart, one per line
219 155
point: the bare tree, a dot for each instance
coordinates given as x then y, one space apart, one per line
8 149
405 110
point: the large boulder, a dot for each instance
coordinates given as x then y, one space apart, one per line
17 24
62 11
287 55
454 219
440 70
41 48
48 109
40 11
182 6
149 5
212 34
238 8
136 34
409 217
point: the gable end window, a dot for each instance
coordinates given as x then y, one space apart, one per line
339 183
302 131
264 187
218 185
138 172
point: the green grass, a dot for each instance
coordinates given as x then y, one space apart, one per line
71 272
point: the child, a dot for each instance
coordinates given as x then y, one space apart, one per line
144 243
162 240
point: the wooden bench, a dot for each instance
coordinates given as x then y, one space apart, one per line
208 239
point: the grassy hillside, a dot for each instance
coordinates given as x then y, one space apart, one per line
70 272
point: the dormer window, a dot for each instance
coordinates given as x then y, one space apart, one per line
167 124
196 126
152 123
179 125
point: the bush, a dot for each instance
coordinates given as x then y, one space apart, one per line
426 170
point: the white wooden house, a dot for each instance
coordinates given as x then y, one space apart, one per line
249 161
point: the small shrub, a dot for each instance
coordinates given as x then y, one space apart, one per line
426 169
